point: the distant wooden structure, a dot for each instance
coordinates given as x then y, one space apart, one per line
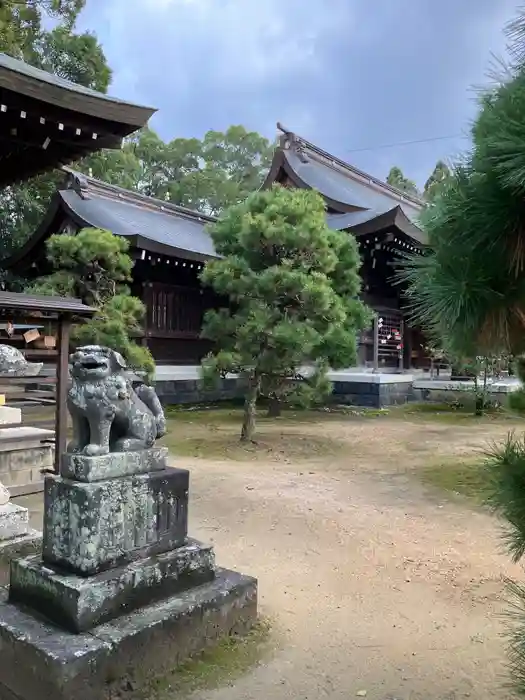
385 222
61 312
170 245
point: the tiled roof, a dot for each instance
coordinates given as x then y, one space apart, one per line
33 76
355 195
142 219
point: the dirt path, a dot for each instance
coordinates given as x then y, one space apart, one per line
373 584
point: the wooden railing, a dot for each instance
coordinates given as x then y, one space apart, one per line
173 311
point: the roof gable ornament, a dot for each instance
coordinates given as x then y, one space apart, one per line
77 182
289 141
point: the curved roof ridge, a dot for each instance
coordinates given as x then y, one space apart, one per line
15 65
300 142
85 185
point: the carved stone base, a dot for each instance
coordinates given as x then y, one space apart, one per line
91 527
78 603
85 468
38 660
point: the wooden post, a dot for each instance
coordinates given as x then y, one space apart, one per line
64 327
376 343
402 342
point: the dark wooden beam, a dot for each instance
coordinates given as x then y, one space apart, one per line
64 328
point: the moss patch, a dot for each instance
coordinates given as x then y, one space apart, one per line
446 413
220 665
212 440
466 476
214 433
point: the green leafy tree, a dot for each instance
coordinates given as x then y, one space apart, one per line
436 181
208 175
22 24
75 57
94 266
396 178
293 286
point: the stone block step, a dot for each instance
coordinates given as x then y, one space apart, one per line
14 521
39 660
10 415
80 603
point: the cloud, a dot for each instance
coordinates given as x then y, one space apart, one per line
348 74
213 57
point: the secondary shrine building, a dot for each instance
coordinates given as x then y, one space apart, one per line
170 245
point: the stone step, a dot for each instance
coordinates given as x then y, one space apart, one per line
80 603
39 660
23 437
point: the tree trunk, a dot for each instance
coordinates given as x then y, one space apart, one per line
248 423
480 405
274 407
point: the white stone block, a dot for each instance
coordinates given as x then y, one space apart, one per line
8 414
14 521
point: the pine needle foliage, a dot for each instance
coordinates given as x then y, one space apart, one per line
515 634
292 284
468 290
469 286
505 464
94 266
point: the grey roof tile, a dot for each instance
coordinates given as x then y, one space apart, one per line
339 186
170 227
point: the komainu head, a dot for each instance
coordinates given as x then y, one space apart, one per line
95 362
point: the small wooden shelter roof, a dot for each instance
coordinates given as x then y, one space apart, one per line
52 306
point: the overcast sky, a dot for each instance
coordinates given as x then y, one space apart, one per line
346 74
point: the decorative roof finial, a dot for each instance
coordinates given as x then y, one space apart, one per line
287 138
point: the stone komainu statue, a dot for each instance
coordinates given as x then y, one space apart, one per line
108 414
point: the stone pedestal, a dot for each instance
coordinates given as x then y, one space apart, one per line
90 527
80 603
39 660
120 592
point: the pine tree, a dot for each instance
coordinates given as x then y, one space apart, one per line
94 266
293 284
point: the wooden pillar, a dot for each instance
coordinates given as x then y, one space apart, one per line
402 352
64 328
376 343
408 346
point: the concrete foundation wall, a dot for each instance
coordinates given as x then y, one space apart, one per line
372 395
371 391
190 391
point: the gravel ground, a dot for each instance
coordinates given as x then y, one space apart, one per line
376 586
